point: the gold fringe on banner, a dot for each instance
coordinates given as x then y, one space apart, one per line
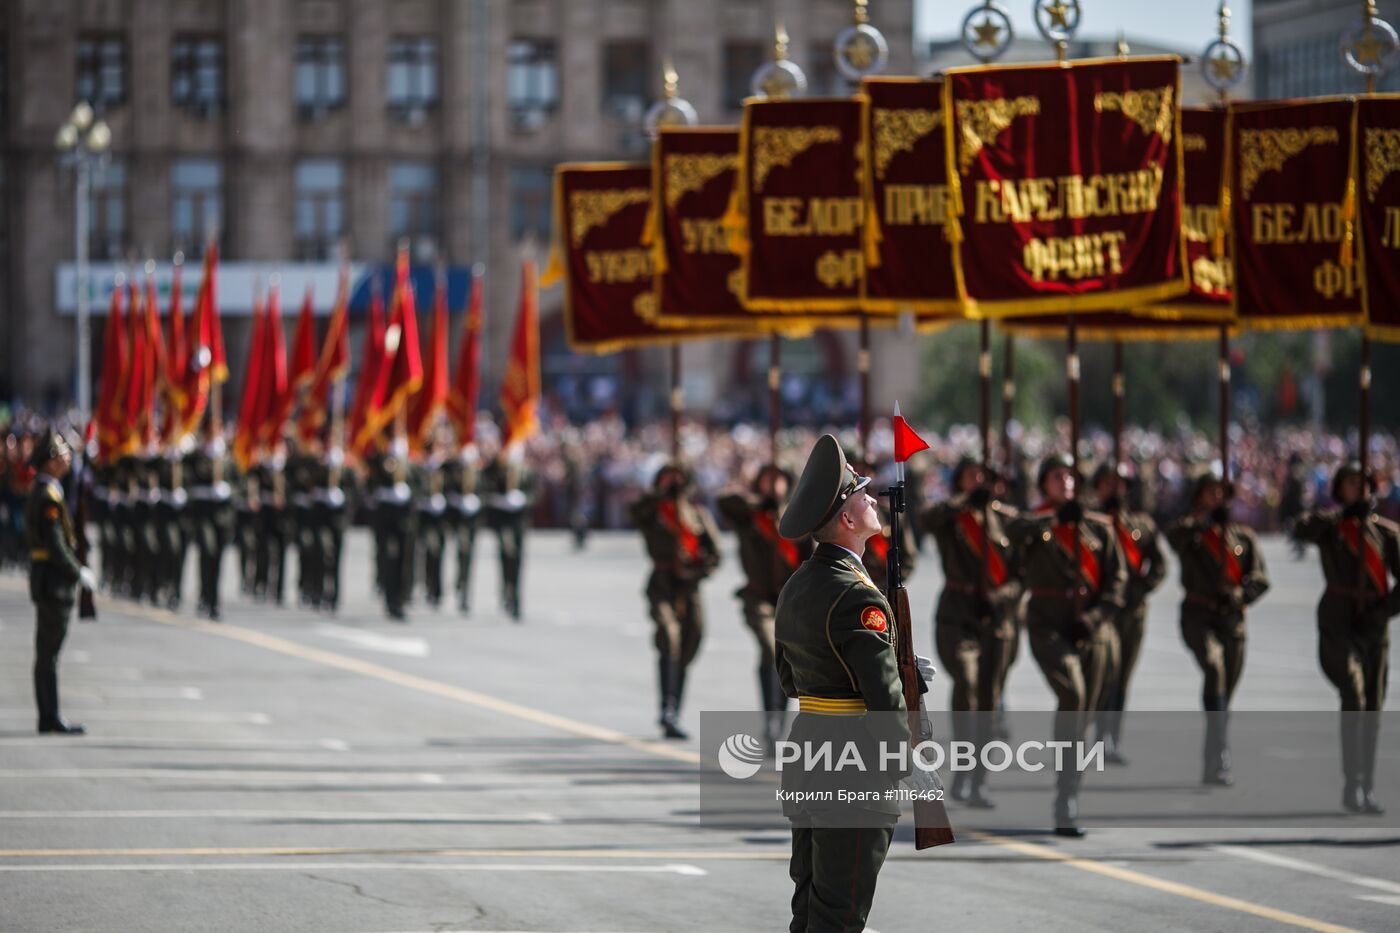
1348 257
1222 220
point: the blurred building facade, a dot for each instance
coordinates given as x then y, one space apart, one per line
287 125
1297 47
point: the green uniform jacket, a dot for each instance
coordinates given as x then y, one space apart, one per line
1206 580
1049 574
963 566
835 640
663 542
1139 529
765 566
54 566
1341 567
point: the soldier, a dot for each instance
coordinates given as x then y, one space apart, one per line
272 528
508 490
877 549
1353 620
54 574
431 507
1074 573
329 518
1147 568
249 505
463 516
768 560
170 530
975 622
302 468
392 519
835 654
1223 573
211 518
683 545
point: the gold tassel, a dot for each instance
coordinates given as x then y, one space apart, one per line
734 220
1348 257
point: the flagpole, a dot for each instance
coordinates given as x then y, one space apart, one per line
677 399
1072 377
337 436
775 399
1119 388
863 364
1008 399
984 373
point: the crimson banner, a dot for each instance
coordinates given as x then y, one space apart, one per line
600 212
909 261
1289 173
1067 185
1378 211
797 218
1207 253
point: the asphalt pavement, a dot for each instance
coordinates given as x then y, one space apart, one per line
288 771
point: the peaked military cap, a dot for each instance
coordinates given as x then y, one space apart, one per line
1350 468
1049 465
827 481
50 446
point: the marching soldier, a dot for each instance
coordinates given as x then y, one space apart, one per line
211 517
1074 573
329 518
170 530
975 622
272 528
508 489
1223 573
393 532
768 560
835 653
1147 568
302 469
1360 554
431 507
463 516
683 545
54 574
146 553
249 505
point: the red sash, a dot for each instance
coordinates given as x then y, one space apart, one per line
1216 545
689 540
1088 563
976 539
1131 551
766 527
880 545
1350 529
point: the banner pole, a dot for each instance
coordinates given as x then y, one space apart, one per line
775 399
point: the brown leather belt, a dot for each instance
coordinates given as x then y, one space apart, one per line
38 553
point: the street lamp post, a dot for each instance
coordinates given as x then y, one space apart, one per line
83 142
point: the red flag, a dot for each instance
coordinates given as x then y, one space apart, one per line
270 399
302 366
368 383
433 393
107 411
209 365
401 370
466 382
907 442
520 387
155 361
331 365
130 426
177 362
245 437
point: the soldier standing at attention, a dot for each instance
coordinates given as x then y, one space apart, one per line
508 486
877 549
431 507
463 516
768 560
1353 620
330 516
975 622
211 517
1074 573
393 535
54 574
1222 573
1147 568
836 654
683 545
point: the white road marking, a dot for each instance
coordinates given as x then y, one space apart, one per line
132 715
143 692
1391 899
199 774
104 742
374 641
349 816
298 866
1311 868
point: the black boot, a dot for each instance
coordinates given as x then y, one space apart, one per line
1370 736
774 705
1067 806
1351 762
668 675
1215 768
976 798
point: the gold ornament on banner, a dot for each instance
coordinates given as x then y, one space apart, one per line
1267 150
897 131
776 146
1150 108
589 209
982 121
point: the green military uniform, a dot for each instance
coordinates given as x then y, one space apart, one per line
683 544
1146 564
975 621
329 518
54 576
249 505
1222 572
392 518
1353 626
835 653
272 531
210 513
768 560
1069 616
431 508
507 489
145 527
171 531
463 516
300 487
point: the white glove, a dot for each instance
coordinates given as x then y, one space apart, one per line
925 666
926 784
87 578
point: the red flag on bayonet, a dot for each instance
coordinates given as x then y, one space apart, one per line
107 411
331 364
906 441
245 437
520 387
368 383
466 382
433 392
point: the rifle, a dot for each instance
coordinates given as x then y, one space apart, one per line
931 825
87 606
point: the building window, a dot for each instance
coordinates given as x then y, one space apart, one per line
320 76
196 204
101 71
532 82
320 207
197 75
413 203
531 188
741 60
107 212
626 80
412 77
